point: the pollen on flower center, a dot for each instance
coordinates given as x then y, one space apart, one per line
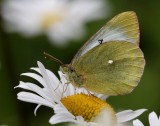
87 106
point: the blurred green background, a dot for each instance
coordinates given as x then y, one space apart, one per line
18 54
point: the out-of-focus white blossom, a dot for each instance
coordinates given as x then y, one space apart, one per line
60 20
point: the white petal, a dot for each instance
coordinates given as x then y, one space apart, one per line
153 119
80 119
128 115
35 110
32 98
102 96
137 123
70 90
81 90
81 122
50 85
66 88
53 77
36 77
36 69
50 74
105 118
38 90
60 109
22 85
63 77
46 78
60 118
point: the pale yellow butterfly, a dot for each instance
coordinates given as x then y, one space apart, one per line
111 62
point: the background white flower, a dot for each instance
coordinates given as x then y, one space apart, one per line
61 20
153 120
52 92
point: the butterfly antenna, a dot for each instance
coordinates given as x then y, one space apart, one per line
50 57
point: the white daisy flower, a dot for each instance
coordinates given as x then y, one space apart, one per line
61 20
153 120
71 104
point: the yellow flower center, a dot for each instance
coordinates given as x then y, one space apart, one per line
87 106
50 19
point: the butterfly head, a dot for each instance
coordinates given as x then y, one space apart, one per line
72 76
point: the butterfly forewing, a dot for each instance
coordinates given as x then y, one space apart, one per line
123 27
118 77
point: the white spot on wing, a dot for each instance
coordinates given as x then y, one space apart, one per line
110 61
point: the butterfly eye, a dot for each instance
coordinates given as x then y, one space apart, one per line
72 70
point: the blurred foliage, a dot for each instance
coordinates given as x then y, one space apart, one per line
18 54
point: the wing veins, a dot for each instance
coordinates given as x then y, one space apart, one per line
117 20
120 49
129 58
122 32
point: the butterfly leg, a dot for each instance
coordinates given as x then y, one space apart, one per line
65 88
90 93
57 85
